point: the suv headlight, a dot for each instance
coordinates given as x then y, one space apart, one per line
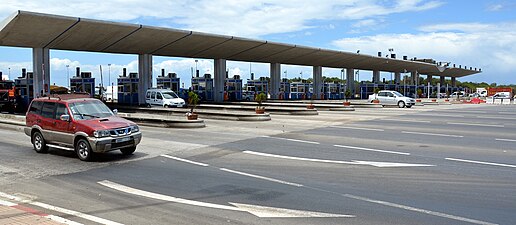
134 128
101 133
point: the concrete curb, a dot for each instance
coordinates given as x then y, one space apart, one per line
366 105
12 119
167 123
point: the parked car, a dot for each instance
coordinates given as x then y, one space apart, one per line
247 96
84 125
393 98
163 97
457 94
502 95
474 95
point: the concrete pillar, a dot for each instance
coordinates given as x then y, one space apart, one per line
429 79
350 80
145 76
318 85
275 80
376 76
397 78
219 79
41 68
414 78
442 80
454 82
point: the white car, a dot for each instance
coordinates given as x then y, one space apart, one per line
163 97
457 94
393 98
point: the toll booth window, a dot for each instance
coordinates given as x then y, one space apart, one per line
127 88
293 89
301 89
35 107
47 110
61 110
120 88
87 88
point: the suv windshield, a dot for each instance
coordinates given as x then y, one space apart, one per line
169 95
89 110
397 94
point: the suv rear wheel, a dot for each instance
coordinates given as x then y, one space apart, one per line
401 104
128 151
39 143
83 150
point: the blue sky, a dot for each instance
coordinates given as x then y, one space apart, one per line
473 33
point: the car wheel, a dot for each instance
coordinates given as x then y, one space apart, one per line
39 143
148 105
401 104
83 150
128 151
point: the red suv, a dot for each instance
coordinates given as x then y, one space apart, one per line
84 125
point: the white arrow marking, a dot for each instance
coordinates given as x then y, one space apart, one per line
260 211
270 212
369 163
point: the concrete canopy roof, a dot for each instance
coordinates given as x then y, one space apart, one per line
36 30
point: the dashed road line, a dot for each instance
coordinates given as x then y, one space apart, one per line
480 162
357 128
372 150
502 139
412 121
433 134
261 177
294 140
185 160
476 124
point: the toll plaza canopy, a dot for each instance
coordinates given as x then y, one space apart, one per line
36 30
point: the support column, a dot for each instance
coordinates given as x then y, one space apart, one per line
376 76
414 77
397 78
442 80
144 75
454 82
219 79
41 68
275 80
350 80
318 85
429 79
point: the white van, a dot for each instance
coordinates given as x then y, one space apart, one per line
163 97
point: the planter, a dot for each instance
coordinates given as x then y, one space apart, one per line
376 101
310 106
192 116
434 100
446 100
259 110
418 100
347 103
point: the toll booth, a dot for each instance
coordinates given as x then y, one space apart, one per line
169 81
299 90
203 87
233 89
24 86
82 83
284 92
255 87
333 91
128 88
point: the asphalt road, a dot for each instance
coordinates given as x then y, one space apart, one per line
429 165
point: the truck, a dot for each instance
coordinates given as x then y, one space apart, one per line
7 96
482 92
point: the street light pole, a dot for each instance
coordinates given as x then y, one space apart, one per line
68 76
109 75
196 67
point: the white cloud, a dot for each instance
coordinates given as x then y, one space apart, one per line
494 7
251 18
487 46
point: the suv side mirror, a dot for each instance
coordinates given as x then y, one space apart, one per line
64 117
115 111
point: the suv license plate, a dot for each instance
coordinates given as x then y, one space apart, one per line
122 139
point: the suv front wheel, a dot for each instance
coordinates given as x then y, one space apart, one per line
39 143
128 150
83 150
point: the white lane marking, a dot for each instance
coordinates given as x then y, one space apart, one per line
441 115
357 128
369 163
261 177
6 203
185 160
476 124
501 139
270 212
432 134
295 140
62 220
479 162
373 150
509 113
497 118
413 121
11 197
260 211
410 208
75 213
